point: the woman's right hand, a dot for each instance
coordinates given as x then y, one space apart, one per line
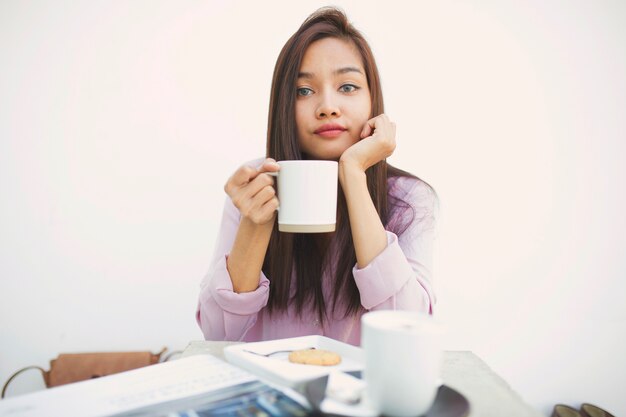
252 192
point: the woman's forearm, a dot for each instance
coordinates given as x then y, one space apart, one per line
245 260
368 232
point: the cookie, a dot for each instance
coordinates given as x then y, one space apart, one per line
315 357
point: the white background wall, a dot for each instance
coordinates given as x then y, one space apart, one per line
120 122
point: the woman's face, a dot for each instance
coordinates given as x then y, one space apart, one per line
332 99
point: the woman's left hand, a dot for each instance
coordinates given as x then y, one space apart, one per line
378 141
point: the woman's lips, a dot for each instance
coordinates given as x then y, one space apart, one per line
333 133
330 130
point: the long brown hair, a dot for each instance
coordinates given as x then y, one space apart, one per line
307 254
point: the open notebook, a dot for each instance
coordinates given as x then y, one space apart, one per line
196 386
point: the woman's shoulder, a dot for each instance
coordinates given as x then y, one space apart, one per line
409 188
412 202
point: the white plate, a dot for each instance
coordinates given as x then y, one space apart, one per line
278 369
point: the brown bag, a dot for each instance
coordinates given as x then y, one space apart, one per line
74 367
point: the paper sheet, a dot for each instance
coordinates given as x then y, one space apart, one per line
120 393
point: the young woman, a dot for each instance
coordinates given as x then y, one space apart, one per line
326 103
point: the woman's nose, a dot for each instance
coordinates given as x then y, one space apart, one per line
328 106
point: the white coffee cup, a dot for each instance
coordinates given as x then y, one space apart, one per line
402 361
307 196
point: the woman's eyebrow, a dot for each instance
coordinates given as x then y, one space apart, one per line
339 71
347 69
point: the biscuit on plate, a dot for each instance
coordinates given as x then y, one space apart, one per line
315 357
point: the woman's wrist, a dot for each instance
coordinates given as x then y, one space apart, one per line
349 172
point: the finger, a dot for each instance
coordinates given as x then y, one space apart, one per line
247 173
239 179
253 204
257 184
264 195
269 208
264 212
372 124
243 175
367 130
269 165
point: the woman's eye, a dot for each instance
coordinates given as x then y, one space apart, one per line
348 88
304 91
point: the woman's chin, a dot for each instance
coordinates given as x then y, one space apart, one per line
329 154
321 156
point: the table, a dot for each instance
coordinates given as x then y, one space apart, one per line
489 395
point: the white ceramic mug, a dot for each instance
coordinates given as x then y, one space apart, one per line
402 361
307 196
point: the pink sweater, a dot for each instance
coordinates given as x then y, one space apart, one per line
398 278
